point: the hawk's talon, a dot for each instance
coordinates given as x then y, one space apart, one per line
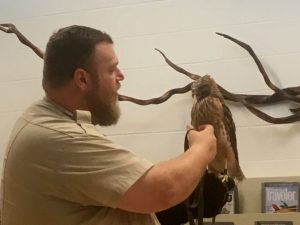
223 177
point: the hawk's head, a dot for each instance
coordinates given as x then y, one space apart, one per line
205 86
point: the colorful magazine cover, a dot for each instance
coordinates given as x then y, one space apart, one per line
280 197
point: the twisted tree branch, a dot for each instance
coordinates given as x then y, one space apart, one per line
290 93
248 100
177 68
158 100
11 28
261 69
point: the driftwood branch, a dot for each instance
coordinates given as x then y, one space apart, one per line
158 100
261 69
248 100
290 93
177 68
11 28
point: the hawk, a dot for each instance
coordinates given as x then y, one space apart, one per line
211 193
209 108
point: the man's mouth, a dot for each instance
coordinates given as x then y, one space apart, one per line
118 86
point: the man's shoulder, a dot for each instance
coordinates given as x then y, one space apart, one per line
44 116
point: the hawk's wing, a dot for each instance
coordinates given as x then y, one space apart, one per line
230 129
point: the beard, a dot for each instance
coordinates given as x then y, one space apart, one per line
104 109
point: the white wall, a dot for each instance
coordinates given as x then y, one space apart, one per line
185 31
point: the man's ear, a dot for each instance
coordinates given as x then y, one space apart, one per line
82 79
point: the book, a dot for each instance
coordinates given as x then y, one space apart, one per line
273 223
231 205
279 197
218 223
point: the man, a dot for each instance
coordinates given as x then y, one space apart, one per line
60 170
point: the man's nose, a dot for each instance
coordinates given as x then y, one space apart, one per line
120 76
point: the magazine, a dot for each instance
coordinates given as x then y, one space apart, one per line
279 197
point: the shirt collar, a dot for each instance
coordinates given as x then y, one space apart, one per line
80 116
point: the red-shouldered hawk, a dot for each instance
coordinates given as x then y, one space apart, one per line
209 108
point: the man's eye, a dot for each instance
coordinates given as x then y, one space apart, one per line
111 70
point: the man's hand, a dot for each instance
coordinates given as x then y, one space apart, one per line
203 136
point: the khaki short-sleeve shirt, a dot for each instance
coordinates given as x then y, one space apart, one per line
60 170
